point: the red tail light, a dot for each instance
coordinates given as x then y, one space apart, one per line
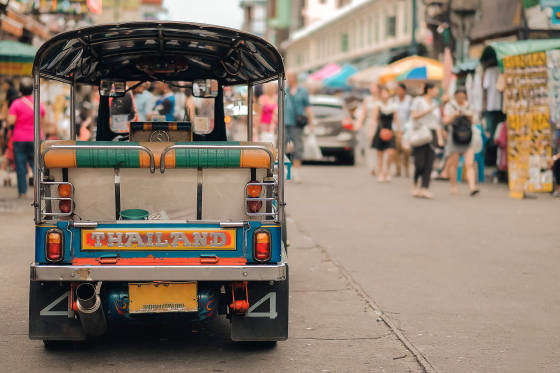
262 250
65 206
348 123
54 245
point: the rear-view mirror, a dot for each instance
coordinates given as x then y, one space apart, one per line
205 88
112 88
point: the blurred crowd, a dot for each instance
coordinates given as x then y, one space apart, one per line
437 132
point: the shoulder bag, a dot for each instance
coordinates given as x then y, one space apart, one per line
420 136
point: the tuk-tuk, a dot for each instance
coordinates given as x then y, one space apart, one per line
159 221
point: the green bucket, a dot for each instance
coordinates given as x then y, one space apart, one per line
134 214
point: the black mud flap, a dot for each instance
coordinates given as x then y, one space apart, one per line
50 313
267 319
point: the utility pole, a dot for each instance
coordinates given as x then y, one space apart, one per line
413 48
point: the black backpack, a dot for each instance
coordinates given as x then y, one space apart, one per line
462 130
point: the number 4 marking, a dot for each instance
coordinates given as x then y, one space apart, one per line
47 310
272 313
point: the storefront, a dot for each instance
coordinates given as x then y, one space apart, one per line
529 78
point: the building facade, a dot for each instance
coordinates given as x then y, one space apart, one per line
254 16
353 32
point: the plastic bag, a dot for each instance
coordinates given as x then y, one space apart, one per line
476 142
311 149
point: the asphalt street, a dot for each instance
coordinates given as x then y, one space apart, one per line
332 327
380 282
472 283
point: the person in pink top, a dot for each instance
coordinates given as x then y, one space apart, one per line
267 108
21 116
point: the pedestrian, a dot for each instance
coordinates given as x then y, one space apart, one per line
145 101
123 106
425 114
297 114
165 105
267 112
402 153
21 116
554 165
384 115
457 117
364 120
190 105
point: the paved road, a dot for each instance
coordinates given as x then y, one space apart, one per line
332 328
471 282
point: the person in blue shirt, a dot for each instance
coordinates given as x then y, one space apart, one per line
145 101
296 103
165 105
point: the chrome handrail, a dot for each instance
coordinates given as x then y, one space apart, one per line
216 147
100 147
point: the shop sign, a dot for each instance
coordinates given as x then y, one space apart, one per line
555 16
529 131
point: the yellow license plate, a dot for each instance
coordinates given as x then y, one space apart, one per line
160 297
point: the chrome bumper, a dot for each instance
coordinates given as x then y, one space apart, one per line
157 273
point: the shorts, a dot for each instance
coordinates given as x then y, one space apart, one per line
295 135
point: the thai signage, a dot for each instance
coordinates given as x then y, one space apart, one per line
529 130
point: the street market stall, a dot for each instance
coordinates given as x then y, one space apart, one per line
16 58
530 81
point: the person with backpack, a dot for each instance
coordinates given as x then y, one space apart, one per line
457 116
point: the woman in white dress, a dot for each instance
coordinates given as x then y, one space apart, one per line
364 120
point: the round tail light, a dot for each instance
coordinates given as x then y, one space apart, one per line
65 190
254 190
65 206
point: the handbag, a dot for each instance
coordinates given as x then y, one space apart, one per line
301 121
386 134
420 136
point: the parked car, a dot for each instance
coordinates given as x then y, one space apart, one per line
333 127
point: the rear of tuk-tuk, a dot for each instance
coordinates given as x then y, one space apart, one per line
175 224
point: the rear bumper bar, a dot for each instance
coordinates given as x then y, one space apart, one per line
40 272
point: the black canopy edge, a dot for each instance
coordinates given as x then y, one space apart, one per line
255 54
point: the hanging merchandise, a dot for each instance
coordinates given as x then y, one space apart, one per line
529 129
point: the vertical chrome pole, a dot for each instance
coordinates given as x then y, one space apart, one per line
250 113
37 143
281 148
72 113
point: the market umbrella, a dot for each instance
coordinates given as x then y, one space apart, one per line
340 80
401 66
364 78
16 58
329 70
421 73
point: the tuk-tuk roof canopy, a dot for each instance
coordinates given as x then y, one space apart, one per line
149 50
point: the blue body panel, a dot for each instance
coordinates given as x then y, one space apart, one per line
73 238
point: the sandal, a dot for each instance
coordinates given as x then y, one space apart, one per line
426 195
475 192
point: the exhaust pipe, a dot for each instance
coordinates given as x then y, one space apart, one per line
91 310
